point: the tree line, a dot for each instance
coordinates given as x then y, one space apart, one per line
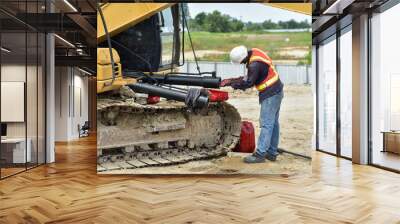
217 22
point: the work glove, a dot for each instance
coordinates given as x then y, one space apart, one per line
230 82
225 82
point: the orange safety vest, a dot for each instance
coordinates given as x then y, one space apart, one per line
272 76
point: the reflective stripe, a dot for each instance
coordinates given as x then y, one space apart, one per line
264 85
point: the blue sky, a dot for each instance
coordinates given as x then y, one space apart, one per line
253 12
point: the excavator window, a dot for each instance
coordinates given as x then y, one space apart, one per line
152 44
167 37
170 37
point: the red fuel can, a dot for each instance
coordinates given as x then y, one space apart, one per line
247 142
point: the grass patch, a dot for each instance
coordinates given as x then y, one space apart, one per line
263 40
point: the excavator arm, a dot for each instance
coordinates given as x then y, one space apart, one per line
125 16
303 8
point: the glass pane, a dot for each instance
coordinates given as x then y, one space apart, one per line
327 96
346 93
167 37
13 87
32 98
385 89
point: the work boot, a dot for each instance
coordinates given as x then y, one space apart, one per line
270 157
254 158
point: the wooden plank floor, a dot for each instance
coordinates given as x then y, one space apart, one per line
70 191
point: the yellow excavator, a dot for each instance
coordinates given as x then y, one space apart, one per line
140 47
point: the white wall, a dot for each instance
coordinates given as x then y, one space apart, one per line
62 81
71 102
80 103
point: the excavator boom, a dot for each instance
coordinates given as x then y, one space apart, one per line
125 15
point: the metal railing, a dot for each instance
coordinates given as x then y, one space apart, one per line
289 74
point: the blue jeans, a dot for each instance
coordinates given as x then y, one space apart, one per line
268 139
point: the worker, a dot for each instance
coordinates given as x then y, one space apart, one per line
261 74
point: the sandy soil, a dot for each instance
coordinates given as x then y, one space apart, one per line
297 52
296 116
296 121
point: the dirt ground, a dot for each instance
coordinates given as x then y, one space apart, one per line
296 115
297 52
296 120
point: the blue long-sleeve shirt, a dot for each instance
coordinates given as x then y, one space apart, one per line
255 74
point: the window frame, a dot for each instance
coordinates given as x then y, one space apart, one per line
340 26
333 37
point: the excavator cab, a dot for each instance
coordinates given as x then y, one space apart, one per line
151 45
147 37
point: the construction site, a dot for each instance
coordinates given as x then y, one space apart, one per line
157 117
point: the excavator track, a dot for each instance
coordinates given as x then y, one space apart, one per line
134 136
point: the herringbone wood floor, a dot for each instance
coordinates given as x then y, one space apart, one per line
70 191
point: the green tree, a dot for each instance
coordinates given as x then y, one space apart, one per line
200 19
217 22
269 25
250 26
236 25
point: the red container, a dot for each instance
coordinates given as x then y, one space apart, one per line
247 142
153 99
218 95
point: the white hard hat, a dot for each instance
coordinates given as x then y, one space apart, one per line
238 54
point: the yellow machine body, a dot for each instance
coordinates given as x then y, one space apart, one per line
119 17
304 8
105 79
